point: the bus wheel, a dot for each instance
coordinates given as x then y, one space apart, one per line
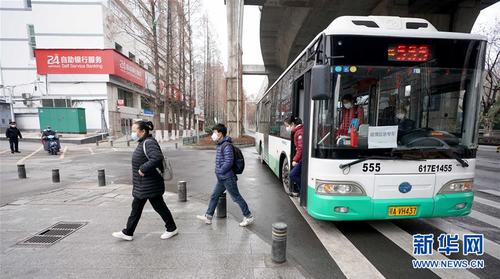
285 178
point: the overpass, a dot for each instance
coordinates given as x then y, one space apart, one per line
287 26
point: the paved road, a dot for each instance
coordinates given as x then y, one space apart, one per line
324 249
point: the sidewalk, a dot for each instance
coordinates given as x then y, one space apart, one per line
222 250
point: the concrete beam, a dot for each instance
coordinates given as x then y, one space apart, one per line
255 70
287 26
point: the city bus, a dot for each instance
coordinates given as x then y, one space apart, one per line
410 147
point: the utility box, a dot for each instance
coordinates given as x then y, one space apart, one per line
63 120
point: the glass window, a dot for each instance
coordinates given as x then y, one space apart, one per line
131 56
127 97
118 47
420 104
32 39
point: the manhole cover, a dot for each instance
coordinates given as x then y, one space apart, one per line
52 234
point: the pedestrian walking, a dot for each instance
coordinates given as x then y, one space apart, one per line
13 134
148 183
226 178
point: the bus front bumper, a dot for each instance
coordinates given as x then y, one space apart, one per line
322 207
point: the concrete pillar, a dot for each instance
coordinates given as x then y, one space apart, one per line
234 86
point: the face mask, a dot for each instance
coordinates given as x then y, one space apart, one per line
347 105
400 115
215 136
134 136
13 126
288 129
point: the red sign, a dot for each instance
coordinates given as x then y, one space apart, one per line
88 61
120 102
419 53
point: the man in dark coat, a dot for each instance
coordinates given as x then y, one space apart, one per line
13 134
226 179
148 183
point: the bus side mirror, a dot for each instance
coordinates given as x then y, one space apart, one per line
321 82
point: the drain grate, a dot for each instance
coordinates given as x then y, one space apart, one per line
52 234
57 232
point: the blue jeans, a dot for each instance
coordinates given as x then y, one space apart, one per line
230 185
295 176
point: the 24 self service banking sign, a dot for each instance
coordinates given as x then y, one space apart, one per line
88 61
448 244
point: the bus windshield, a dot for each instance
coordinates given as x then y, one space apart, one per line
413 102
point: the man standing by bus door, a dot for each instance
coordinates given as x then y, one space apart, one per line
294 125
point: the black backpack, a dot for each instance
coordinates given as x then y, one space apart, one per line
238 160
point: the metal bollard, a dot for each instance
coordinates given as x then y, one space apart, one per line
96 142
175 145
182 191
111 142
55 176
278 251
21 171
101 177
128 143
221 211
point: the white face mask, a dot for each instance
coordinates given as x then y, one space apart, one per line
215 136
400 115
347 105
134 136
288 129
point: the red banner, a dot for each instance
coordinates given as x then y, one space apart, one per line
88 61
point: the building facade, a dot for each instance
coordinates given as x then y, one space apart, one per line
69 53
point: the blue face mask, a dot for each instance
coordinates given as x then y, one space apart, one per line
134 136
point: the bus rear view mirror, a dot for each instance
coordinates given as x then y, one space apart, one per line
321 82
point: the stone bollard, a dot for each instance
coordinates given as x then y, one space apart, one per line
221 211
278 251
21 171
55 176
182 191
101 177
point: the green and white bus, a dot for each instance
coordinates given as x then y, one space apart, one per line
387 64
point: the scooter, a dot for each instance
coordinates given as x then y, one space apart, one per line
51 144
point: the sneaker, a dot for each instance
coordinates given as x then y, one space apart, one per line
204 219
18 151
294 194
167 234
122 236
247 221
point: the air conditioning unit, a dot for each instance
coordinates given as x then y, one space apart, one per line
26 95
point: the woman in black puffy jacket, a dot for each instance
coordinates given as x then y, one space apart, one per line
148 181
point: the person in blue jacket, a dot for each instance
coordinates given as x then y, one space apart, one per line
226 179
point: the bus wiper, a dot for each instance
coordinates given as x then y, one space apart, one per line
446 151
350 164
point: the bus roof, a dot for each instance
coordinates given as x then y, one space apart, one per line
382 26
392 26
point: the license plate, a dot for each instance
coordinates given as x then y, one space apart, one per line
402 211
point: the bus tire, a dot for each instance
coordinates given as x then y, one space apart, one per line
285 176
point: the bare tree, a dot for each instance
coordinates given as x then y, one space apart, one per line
490 100
140 20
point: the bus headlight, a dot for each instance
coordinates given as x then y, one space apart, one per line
457 186
340 188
